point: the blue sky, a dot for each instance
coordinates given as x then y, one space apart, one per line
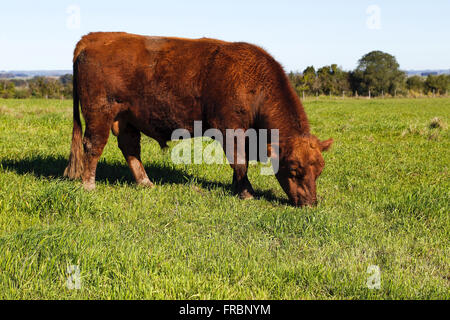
42 35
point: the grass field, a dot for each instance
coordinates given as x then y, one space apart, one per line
383 200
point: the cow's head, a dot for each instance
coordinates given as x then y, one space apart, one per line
300 164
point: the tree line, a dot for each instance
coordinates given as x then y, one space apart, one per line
377 74
37 87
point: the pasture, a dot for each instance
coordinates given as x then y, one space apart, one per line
383 200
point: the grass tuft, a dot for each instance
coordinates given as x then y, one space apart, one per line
437 123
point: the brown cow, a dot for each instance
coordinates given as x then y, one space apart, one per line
131 84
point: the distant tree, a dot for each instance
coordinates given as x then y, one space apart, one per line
22 93
310 80
310 71
340 80
416 84
296 80
325 81
305 82
333 80
378 72
19 82
66 79
328 79
67 82
42 87
67 91
7 89
439 84
37 87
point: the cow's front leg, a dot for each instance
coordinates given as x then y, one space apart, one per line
238 159
241 184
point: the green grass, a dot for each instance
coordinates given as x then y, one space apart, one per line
383 200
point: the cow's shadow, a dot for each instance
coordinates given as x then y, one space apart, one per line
53 167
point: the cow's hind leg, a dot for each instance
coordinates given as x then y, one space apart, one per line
129 139
94 141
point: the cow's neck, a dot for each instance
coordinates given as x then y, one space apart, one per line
286 113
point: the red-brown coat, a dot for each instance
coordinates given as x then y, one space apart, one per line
131 84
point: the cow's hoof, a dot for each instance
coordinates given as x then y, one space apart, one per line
246 195
89 186
146 183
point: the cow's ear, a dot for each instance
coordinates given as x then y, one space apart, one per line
325 145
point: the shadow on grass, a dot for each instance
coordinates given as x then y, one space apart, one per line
53 167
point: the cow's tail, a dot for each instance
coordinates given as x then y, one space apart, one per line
75 167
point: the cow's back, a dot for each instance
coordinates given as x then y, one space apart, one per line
146 62
146 65
128 52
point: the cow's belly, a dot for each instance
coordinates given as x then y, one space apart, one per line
158 119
